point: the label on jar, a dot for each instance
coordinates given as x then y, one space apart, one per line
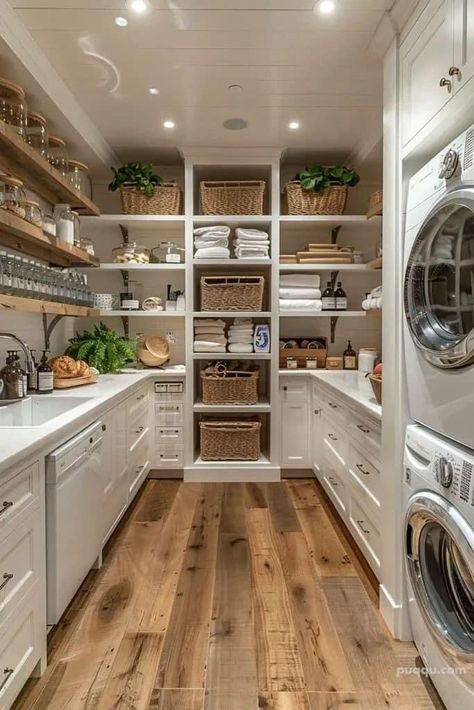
341 303
172 258
328 303
45 381
130 305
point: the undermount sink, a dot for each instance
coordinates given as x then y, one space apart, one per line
37 410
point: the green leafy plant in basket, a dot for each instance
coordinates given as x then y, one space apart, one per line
137 175
102 348
319 177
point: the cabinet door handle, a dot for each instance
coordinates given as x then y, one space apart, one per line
6 578
332 437
104 427
363 429
317 411
446 83
7 672
361 469
360 523
6 504
285 388
332 405
139 430
455 71
333 482
140 396
140 468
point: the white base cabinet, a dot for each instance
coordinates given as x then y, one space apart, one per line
294 402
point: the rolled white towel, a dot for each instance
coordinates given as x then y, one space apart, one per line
310 304
300 280
289 292
240 348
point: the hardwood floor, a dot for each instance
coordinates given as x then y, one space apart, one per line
226 597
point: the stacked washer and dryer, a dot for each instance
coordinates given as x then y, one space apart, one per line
439 448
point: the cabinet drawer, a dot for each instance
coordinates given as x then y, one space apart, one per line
169 438
333 407
169 413
139 462
367 434
335 484
365 475
366 533
20 562
169 458
137 424
137 402
294 390
19 495
334 440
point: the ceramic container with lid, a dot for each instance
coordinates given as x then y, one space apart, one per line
367 359
13 107
131 253
37 133
57 154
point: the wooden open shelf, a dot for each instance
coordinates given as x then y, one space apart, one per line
21 160
25 237
33 305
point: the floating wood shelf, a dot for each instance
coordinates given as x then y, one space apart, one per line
33 305
25 237
22 161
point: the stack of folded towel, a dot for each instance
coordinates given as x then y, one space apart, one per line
241 336
209 335
212 242
251 244
300 292
373 300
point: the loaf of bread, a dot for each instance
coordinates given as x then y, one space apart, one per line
83 369
64 366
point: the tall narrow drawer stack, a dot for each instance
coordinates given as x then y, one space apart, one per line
169 424
138 437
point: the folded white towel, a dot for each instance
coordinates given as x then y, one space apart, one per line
219 339
241 333
293 292
240 339
310 304
209 321
245 233
241 321
212 253
249 257
215 229
241 326
207 243
300 280
203 346
241 348
208 330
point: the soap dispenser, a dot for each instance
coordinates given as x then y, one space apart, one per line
12 379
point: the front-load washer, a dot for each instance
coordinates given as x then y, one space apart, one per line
439 560
439 292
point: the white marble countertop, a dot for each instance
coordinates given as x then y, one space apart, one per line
17 443
354 386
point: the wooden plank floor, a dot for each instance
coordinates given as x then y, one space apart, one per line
226 597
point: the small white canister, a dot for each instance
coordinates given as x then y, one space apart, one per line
367 359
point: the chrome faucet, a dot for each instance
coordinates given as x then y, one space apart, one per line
30 366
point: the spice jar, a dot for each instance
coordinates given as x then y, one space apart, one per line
57 154
33 212
13 108
67 224
167 253
37 133
12 195
78 174
131 253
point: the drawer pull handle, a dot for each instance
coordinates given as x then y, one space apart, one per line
317 411
360 523
285 388
104 427
363 429
333 482
6 504
140 468
7 672
140 396
362 470
332 437
332 405
6 578
139 430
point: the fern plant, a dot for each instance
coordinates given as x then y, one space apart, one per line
102 348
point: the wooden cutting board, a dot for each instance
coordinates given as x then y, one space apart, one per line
65 383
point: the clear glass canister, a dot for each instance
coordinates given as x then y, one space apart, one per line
78 174
12 195
131 253
13 108
67 224
33 212
167 253
87 245
49 225
37 133
57 154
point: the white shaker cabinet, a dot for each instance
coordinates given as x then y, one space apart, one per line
315 430
463 66
115 467
295 423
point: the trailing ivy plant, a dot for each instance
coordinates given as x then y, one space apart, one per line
136 175
319 177
102 348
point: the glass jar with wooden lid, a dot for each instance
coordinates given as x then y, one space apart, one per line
12 195
37 133
33 212
57 154
78 174
13 107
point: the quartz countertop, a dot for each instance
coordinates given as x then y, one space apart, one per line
17 443
354 386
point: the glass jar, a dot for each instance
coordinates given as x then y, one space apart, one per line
67 224
167 253
87 245
78 174
12 195
37 133
6 272
131 253
57 154
13 108
49 225
18 276
33 212
28 279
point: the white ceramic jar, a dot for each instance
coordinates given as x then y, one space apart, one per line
367 359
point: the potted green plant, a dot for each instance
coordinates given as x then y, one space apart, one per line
143 191
102 348
320 190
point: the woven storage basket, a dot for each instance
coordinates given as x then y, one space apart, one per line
375 204
166 199
232 197
233 387
232 293
230 440
376 382
331 201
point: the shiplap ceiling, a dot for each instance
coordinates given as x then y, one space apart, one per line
293 64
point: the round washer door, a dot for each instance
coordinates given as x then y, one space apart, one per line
439 283
440 562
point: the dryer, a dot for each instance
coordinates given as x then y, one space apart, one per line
439 560
439 292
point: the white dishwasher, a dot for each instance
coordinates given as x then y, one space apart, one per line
73 530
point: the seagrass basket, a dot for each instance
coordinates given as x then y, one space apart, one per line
230 440
166 199
232 293
332 200
232 197
230 387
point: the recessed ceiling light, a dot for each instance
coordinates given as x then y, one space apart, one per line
153 91
235 88
235 124
294 125
168 124
325 7
139 6
121 21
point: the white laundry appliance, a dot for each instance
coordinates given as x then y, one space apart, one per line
439 560
439 292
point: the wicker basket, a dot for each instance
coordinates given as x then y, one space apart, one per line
376 382
331 201
230 440
236 197
166 199
233 387
232 293
375 204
